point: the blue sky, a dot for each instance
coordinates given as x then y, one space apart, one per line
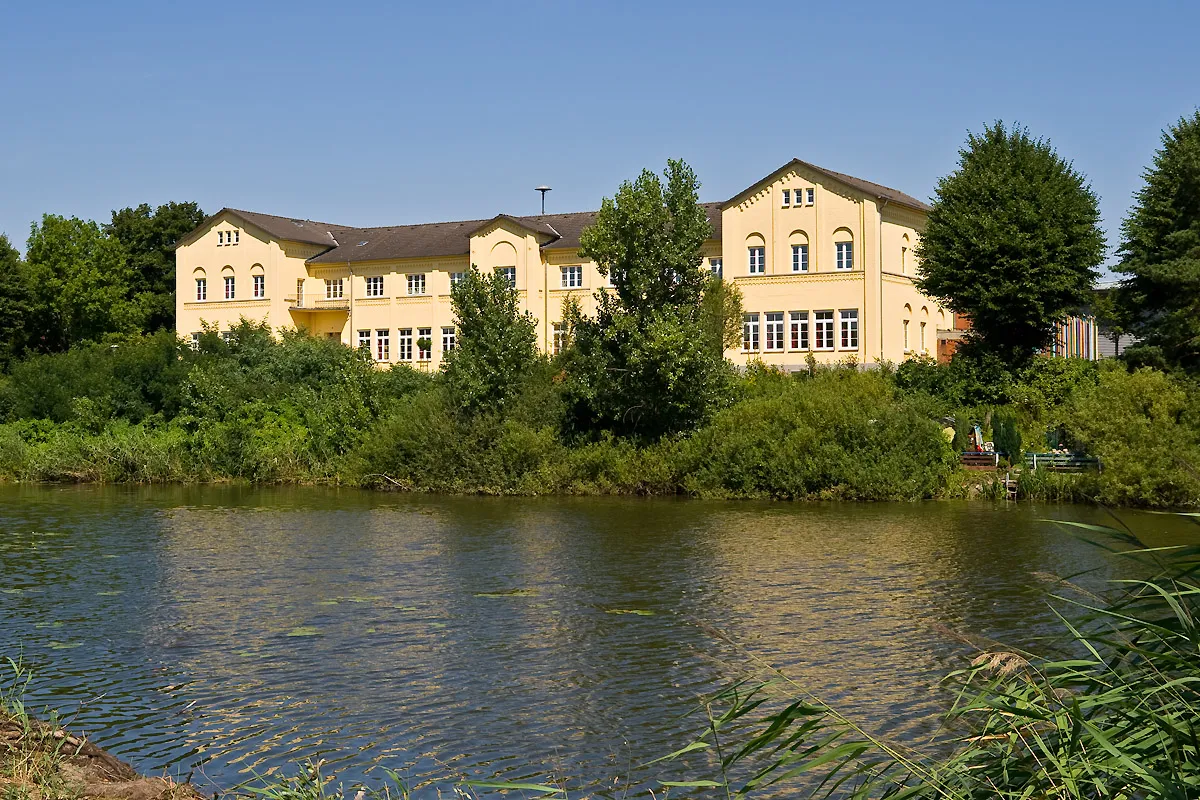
388 113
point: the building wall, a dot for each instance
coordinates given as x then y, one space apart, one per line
879 287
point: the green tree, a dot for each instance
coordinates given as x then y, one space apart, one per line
1160 250
81 284
1012 240
16 303
496 343
644 365
721 313
149 236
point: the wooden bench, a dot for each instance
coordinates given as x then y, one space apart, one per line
1062 462
979 460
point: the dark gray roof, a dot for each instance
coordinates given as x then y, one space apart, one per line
876 190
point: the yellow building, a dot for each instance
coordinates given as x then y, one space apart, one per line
824 262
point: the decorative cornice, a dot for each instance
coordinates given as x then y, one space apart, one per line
799 277
220 304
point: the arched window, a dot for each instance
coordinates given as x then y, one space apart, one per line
756 254
201 283
843 248
258 280
799 243
504 261
904 248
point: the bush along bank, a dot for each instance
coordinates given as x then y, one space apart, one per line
297 409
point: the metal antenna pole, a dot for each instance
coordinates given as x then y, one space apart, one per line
543 190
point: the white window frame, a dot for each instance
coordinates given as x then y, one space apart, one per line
848 329
773 331
906 347
750 325
560 337
449 339
258 286
798 331
364 339
237 237
760 262
923 348
404 344
425 333
845 255
787 198
456 278
335 289
416 284
194 340
800 258
810 196
571 276
383 344
375 286
717 266
300 293
230 287
201 289
510 273
220 238
823 331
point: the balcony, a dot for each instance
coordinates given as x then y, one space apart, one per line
310 304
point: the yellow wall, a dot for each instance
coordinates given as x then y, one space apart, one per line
879 287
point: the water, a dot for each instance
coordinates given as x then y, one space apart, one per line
229 632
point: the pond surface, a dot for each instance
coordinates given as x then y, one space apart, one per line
234 631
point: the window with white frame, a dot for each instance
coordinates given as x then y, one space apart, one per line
375 286
849 320
424 343
845 255
201 288
333 288
906 348
229 287
259 288
799 258
799 330
510 275
416 283
456 278
812 194
922 337
774 330
195 340
787 197
220 238
364 340
717 267
750 333
560 337
404 344
572 276
758 260
383 344
823 330
227 337
228 238
449 340
300 292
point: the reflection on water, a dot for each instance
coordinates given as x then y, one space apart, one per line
236 630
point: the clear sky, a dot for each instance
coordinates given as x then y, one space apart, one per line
389 113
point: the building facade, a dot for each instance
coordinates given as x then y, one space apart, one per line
824 262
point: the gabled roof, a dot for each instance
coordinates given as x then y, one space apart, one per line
533 224
876 190
284 228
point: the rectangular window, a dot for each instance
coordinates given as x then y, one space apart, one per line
260 286
416 283
799 330
906 336
404 341
750 333
716 267
799 258
375 286
229 288
845 255
195 340
456 278
774 330
824 330
758 260
300 292
237 236
560 337
449 341
510 273
424 343
333 288
201 288
787 197
572 276
383 345
812 193
849 330
922 337
227 337
364 340
220 238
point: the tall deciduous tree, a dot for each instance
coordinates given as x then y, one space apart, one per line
1012 240
496 343
1160 250
149 236
721 313
81 284
645 364
16 303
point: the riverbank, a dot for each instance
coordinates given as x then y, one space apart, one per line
39 761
